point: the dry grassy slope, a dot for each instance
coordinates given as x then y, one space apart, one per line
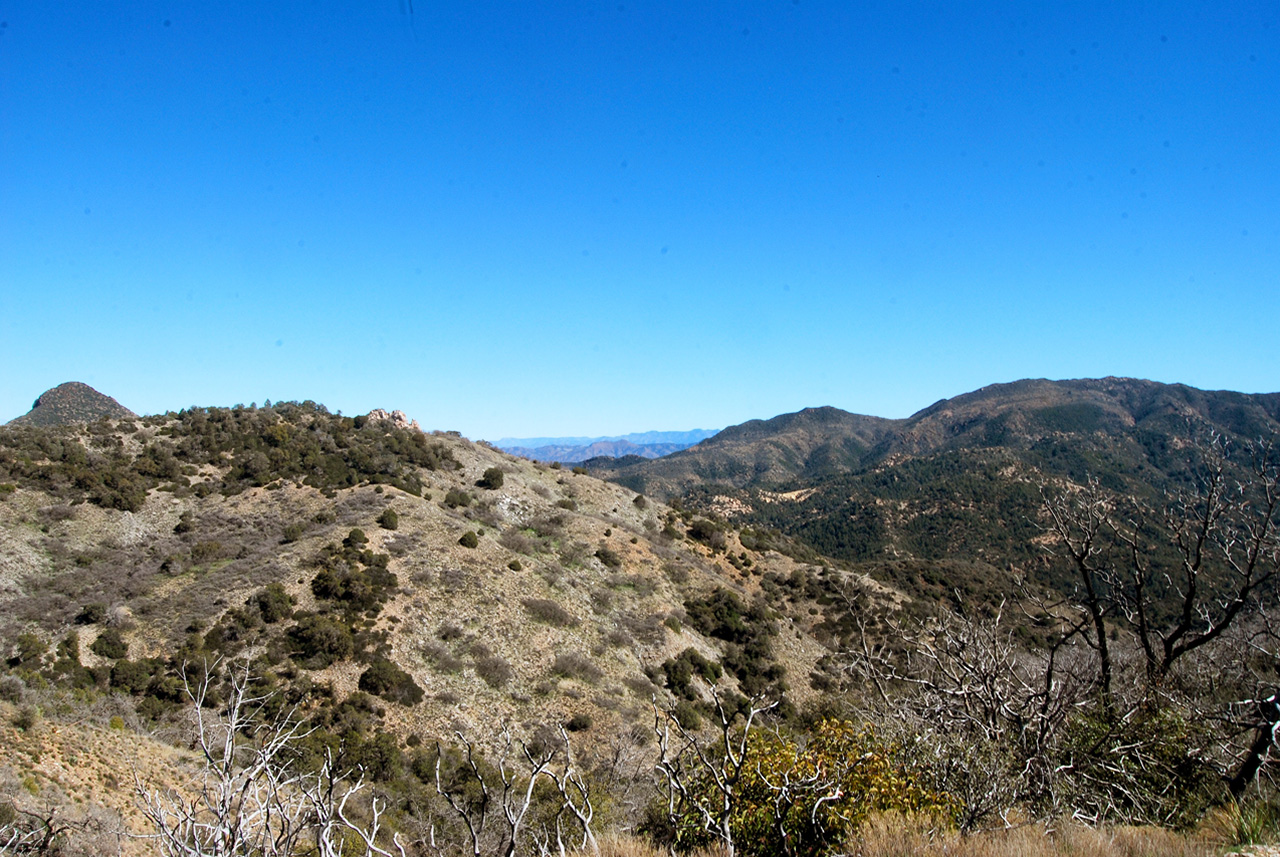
619 611
85 772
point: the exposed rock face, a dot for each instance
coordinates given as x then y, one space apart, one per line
72 402
397 418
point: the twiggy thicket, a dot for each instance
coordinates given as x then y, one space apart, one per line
1153 695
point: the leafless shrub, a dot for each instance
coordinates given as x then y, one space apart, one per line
120 616
677 574
618 637
453 578
574 554
402 545
646 628
546 610
441 658
575 665
549 526
641 585
518 541
13 689
494 670
245 800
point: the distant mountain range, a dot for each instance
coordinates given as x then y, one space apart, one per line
648 444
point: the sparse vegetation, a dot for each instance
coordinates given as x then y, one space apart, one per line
548 611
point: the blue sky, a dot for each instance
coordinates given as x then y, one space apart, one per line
584 218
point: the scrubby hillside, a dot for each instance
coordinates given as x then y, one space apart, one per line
397 586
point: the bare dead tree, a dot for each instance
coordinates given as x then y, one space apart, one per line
686 757
246 800
981 709
575 798
1179 578
504 797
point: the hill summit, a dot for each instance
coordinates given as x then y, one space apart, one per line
72 402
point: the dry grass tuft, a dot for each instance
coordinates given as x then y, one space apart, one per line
895 836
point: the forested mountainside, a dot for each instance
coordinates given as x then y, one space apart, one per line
961 479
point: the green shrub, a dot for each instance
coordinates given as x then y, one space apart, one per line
274 603
110 644
389 519
30 650
92 613
640 502
492 479
568 503
515 565
579 723
609 557
456 497
387 680
708 533
838 777
320 641
469 539
293 532
681 669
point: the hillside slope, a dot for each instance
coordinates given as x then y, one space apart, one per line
388 582
961 479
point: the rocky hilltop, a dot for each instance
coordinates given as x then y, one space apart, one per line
72 402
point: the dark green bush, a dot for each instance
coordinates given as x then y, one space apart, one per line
456 497
387 680
320 641
92 613
681 669
609 557
469 539
389 519
274 603
492 479
110 644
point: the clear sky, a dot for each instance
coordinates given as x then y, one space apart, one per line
582 218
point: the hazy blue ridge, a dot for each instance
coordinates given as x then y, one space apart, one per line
688 438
